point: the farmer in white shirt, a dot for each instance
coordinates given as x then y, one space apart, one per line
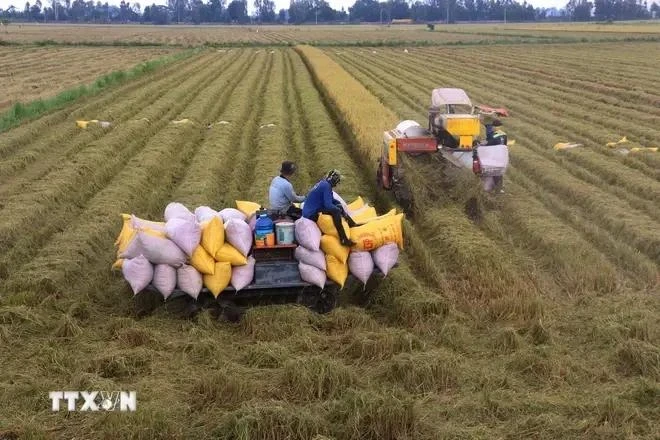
281 194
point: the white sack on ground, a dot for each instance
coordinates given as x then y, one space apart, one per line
313 258
177 210
239 235
138 272
230 213
241 276
386 256
361 265
185 233
312 275
308 234
164 279
189 280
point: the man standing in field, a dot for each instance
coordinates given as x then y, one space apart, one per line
281 194
320 201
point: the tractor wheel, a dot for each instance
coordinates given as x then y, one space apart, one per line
326 301
402 193
379 174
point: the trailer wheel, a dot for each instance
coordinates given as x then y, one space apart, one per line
326 302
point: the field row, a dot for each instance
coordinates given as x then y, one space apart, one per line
39 72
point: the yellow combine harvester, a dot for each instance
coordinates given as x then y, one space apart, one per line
452 135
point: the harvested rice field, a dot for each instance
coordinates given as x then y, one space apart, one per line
538 318
186 35
30 73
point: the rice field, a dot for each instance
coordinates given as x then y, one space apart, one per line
30 73
540 319
367 34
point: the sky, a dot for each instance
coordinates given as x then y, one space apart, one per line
279 4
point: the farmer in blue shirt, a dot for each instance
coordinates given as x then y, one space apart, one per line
281 194
320 201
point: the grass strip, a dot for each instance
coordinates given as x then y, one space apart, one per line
20 112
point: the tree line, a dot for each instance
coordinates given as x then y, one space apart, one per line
320 11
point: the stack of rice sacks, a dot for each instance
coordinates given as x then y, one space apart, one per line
188 251
320 253
378 240
311 260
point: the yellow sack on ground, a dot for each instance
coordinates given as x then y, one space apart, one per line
213 235
202 261
247 208
84 124
336 270
229 254
355 204
332 246
328 227
220 279
623 140
117 265
364 215
376 233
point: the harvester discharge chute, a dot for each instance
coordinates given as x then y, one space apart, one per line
452 140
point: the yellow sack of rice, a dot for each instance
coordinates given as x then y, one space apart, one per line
126 234
220 279
355 204
390 213
327 227
365 215
332 246
247 208
229 254
336 270
213 235
202 261
378 232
